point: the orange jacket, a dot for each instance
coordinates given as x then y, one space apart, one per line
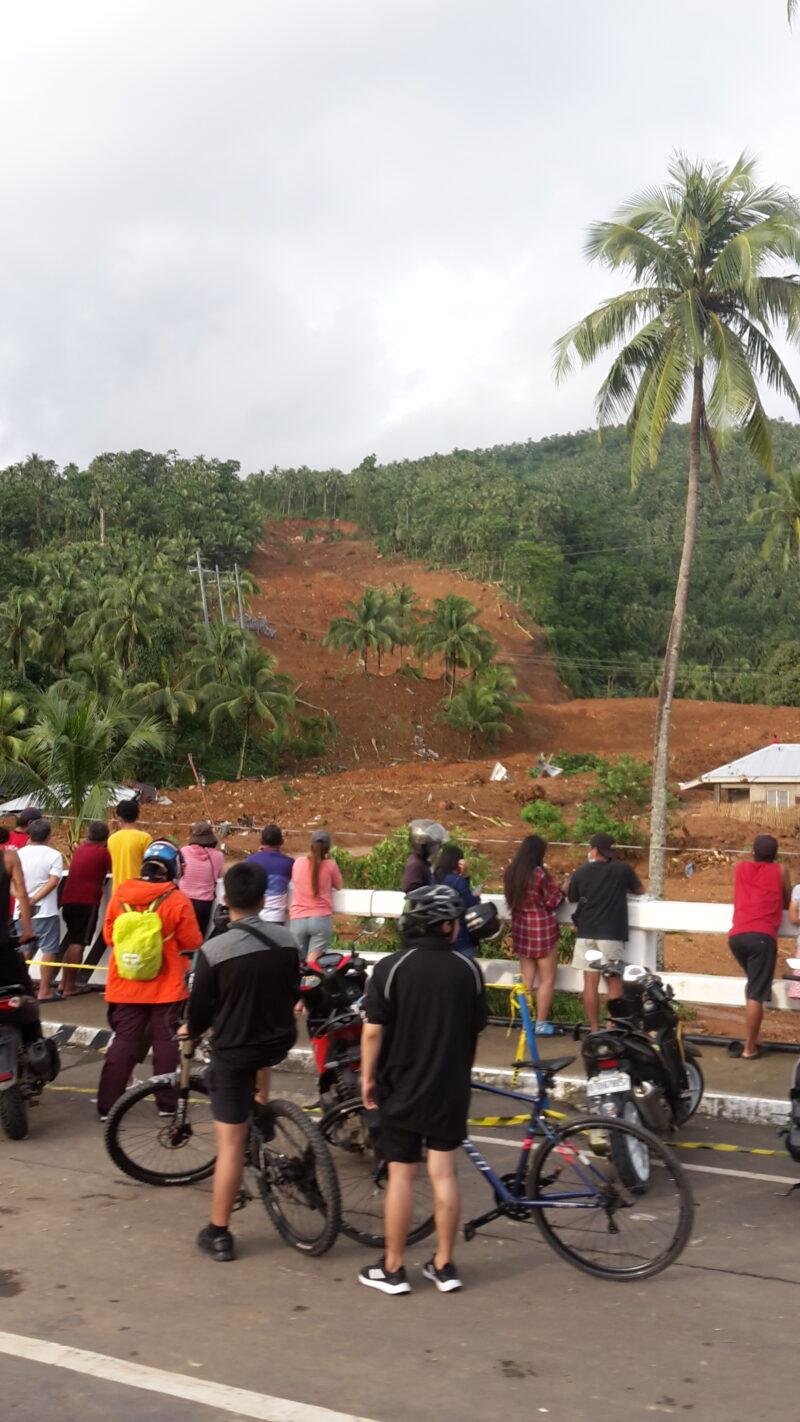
181 933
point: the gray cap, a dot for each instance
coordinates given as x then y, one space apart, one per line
321 837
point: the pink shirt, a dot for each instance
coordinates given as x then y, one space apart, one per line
202 869
304 903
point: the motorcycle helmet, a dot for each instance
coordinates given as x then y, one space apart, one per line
426 837
482 921
162 862
425 908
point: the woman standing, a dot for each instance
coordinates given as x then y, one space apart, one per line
533 897
314 878
83 889
451 869
203 864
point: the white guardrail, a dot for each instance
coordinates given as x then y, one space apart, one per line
647 917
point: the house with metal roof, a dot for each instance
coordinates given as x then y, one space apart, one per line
770 776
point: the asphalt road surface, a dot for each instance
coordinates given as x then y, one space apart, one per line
89 1260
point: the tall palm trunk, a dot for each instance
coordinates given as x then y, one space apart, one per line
658 812
240 771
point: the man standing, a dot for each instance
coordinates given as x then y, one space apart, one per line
425 1007
140 1005
19 835
278 868
425 838
13 968
42 868
245 987
127 844
600 889
761 891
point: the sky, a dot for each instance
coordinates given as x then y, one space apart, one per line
303 231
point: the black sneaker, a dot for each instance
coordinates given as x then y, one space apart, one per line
378 1277
218 1246
446 1279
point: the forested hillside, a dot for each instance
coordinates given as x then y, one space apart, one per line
591 559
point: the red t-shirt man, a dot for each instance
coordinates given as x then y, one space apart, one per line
761 891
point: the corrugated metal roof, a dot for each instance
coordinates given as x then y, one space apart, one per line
780 761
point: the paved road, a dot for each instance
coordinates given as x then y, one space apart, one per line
90 1260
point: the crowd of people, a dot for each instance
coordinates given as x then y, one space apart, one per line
425 1004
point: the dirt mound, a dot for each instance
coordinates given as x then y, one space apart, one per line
306 581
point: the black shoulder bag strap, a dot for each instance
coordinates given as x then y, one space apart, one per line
256 933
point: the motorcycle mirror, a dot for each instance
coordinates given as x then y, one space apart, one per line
370 926
793 963
633 973
593 955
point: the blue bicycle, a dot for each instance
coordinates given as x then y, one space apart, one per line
566 1179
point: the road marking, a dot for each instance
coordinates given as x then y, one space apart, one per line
698 1169
210 1394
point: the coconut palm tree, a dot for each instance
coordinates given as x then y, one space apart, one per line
13 715
128 610
218 651
404 602
254 692
76 752
481 706
369 625
453 634
18 634
779 509
707 255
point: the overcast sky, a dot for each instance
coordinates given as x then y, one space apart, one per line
301 231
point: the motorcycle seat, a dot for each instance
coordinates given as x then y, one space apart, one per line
550 1065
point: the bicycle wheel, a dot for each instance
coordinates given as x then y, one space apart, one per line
363 1177
162 1150
592 1218
296 1180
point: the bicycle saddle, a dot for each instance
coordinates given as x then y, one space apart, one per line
547 1064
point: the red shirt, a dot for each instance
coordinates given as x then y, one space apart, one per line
757 898
534 926
17 839
87 872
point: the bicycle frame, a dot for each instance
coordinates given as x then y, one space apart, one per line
510 1197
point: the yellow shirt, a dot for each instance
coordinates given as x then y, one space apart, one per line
127 847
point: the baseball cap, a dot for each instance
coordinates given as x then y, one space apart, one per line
321 837
603 843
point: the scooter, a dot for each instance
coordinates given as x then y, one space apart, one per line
639 1067
28 1061
332 988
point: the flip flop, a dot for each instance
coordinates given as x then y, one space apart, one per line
54 997
736 1049
79 992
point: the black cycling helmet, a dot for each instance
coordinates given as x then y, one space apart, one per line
425 908
426 837
162 862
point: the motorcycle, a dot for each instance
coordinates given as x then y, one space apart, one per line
639 1067
791 1133
28 1061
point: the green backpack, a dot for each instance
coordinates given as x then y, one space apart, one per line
138 939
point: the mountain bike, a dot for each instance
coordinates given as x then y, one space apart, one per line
161 1132
566 1179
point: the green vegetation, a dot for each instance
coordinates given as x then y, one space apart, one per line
574 762
546 820
106 661
482 706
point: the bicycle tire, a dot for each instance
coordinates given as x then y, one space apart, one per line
308 1180
146 1175
598 1163
361 1178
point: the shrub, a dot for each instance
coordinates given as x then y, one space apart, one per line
594 819
545 819
574 762
623 788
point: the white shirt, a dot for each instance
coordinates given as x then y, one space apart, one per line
39 863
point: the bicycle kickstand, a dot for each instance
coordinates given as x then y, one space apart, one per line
471 1227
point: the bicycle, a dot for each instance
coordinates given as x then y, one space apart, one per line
161 1132
571 1176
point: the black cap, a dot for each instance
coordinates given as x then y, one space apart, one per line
603 843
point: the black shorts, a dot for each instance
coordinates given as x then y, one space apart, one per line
398 1144
231 1090
757 955
79 921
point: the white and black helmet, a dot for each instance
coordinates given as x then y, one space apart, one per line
425 908
426 837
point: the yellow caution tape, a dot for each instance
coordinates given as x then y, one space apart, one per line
728 1149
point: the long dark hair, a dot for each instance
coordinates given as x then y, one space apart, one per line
518 875
448 861
318 853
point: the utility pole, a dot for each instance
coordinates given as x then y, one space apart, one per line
239 595
219 594
201 576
